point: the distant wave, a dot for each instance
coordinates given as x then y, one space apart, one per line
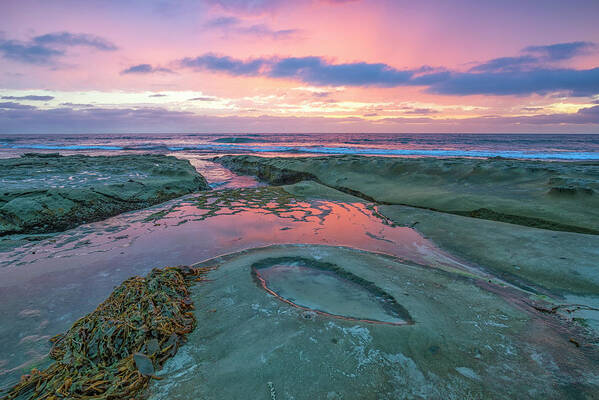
454 153
238 148
59 147
235 139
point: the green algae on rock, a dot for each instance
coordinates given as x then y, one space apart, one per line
43 193
469 339
535 259
112 353
560 196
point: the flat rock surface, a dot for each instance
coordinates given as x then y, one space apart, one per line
551 195
561 262
42 193
468 339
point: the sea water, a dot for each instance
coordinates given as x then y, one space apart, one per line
521 146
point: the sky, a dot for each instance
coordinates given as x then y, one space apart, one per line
261 66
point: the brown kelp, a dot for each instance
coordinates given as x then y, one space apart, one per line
112 353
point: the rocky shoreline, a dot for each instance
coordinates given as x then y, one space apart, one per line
330 279
44 193
559 196
503 215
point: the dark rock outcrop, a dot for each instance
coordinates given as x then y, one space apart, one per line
42 193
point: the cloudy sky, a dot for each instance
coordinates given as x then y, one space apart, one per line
99 66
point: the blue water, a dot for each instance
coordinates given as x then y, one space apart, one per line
524 146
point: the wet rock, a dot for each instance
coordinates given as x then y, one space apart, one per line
152 347
52 193
467 341
548 195
143 364
570 190
530 258
171 345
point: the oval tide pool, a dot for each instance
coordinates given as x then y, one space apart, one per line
327 289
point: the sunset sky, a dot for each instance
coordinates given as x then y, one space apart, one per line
102 66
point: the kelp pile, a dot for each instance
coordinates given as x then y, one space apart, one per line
112 353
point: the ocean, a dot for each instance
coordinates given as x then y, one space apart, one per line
570 147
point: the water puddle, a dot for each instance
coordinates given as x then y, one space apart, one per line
328 290
48 282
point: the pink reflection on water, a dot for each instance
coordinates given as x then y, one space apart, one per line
49 284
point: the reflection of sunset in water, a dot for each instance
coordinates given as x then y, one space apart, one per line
63 277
